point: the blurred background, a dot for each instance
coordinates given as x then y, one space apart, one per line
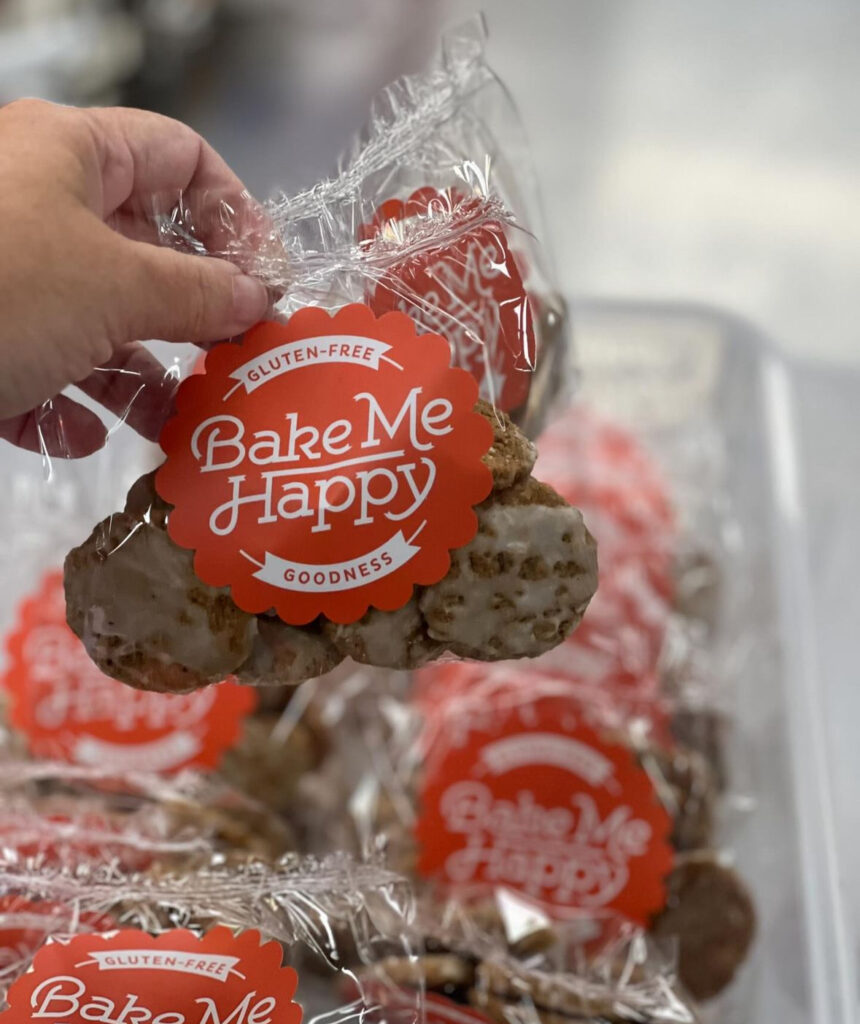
706 152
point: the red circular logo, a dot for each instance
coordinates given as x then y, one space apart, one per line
69 711
175 977
522 795
471 291
326 465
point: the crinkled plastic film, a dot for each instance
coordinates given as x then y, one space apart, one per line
89 851
331 916
445 148
655 666
502 963
52 808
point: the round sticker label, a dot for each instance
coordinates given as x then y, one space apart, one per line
471 292
69 711
530 799
174 978
326 465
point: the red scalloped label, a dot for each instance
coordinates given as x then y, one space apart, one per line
471 291
325 465
524 796
130 977
69 711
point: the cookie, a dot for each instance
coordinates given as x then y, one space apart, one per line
521 585
144 617
516 590
710 914
398 639
704 730
281 652
512 455
511 992
439 972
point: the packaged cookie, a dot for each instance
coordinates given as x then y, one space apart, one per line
353 478
506 781
433 212
502 963
284 740
247 940
522 572
597 779
58 813
59 706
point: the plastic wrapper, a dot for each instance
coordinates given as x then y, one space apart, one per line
501 962
433 211
284 740
59 813
650 845
517 587
201 869
327 918
461 778
347 929
425 219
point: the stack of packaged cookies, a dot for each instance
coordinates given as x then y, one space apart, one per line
339 643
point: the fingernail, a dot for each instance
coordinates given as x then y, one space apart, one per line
250 300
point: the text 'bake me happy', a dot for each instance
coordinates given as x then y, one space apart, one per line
375 460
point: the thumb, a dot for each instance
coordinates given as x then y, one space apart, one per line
178 297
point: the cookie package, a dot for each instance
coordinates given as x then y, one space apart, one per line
336 641
599 783
352 477
112 899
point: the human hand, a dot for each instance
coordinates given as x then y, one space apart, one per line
81 280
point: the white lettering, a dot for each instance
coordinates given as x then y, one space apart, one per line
242 1012
419 494
343 488
366 478
211 431
375 416
309 475
57 997
566 853
429 419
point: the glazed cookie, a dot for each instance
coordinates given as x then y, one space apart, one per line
710 914
516 590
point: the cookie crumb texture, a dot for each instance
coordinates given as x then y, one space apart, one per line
516 590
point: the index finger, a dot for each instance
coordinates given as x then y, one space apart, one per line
143 154
154 167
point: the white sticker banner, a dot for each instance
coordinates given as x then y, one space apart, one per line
209 965
307 578
159 755
336 348
549 749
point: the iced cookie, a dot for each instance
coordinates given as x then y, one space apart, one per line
516 590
